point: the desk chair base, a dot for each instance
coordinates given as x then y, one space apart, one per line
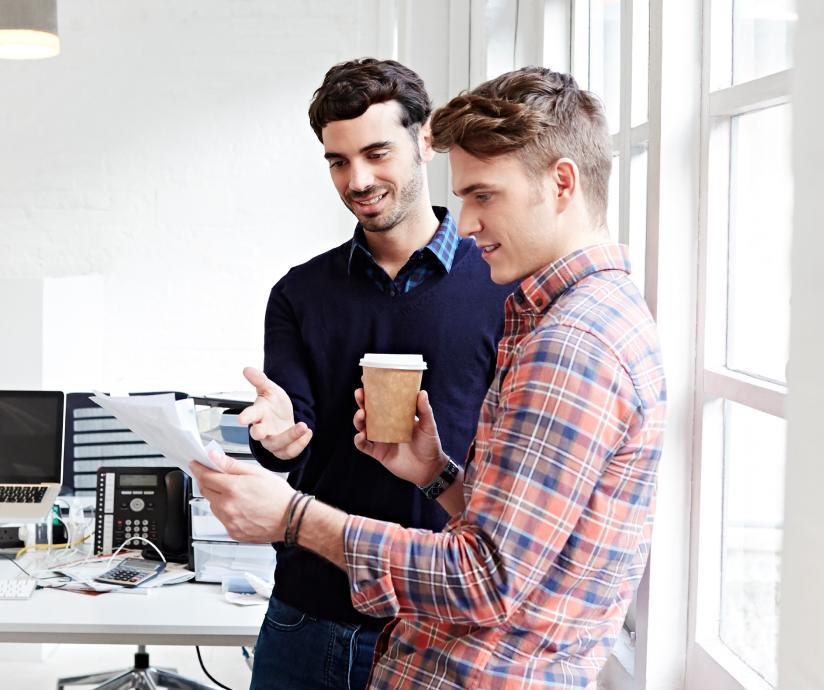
141 677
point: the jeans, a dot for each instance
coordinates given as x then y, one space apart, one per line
295 651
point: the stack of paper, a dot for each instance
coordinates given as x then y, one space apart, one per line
82 576
166 424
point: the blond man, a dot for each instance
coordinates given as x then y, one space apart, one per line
529 582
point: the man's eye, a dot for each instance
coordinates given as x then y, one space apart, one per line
336 163
376 155
483 197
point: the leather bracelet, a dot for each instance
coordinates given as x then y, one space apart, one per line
290 513
306 503
442 482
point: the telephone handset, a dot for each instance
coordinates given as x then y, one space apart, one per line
147 502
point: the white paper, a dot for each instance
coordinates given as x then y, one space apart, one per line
166 424
262 587
83 574
210 528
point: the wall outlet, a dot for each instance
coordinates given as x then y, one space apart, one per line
10 538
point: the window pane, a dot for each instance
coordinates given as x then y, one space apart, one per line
750 39
762 37
605 56
751 536
613 201
761 194
638 214
640 62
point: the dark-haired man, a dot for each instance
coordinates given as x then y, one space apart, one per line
529 582
405 283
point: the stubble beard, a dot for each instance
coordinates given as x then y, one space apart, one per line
405 202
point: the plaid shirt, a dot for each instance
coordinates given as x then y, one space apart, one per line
438 253
529 585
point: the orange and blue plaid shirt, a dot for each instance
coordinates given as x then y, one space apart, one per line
529 585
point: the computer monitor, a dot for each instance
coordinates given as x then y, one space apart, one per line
31 453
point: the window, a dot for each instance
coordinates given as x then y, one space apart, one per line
743 342
610 57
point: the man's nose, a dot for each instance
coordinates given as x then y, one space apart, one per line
360 177
468 223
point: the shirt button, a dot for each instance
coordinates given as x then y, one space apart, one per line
519 297
539 301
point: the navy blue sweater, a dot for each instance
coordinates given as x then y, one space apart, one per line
320 321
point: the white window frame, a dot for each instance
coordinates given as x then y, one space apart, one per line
503 34
710 663
672 135
625 668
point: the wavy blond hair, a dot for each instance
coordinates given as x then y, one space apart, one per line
538 115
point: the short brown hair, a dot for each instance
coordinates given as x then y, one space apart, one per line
540 116
349 88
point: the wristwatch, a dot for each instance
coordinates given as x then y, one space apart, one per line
442 482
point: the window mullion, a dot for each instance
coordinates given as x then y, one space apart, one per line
579 47
773 89
639 135
731 385
624 135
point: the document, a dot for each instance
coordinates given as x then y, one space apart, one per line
166 424
82 576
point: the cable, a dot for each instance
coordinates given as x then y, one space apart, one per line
11 558
129 540
65 502
209 675
45 547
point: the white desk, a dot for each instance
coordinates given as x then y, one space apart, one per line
187 614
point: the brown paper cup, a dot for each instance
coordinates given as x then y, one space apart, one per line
390 397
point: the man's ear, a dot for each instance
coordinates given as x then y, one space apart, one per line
565 175
425 142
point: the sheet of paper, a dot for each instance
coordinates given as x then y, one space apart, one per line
166 424
208 527
83 574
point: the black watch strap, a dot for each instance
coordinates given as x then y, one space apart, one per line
442 482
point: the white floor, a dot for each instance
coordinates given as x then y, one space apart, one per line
37 667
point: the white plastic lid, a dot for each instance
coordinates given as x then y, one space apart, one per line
376 361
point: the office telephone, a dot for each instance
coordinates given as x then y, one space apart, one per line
147 502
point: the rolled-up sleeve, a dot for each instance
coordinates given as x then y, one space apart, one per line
563 410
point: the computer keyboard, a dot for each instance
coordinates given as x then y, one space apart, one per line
17 587
21 494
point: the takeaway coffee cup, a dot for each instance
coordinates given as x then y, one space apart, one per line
390 387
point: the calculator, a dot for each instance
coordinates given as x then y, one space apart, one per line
131 572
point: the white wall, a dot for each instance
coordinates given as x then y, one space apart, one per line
168 149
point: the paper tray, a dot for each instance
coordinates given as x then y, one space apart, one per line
215 560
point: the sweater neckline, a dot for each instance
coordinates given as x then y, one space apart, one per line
461 252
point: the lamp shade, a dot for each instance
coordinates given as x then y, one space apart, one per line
28 29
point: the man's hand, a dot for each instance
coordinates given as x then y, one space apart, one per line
249 500
421 460
271 418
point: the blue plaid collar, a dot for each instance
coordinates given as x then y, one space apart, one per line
442 246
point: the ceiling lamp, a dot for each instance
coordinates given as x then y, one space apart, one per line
28 29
